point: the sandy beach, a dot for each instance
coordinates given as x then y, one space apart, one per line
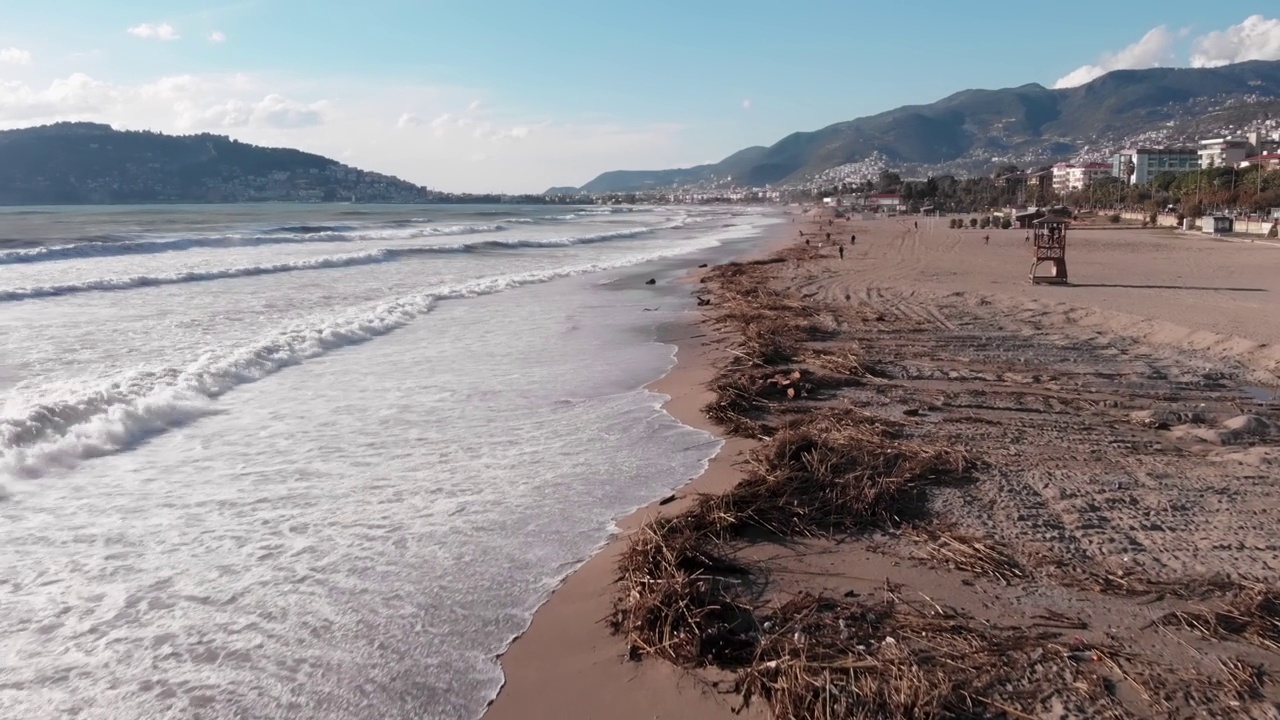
1118 440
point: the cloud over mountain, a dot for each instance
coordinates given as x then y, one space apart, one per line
1256 38
1154 49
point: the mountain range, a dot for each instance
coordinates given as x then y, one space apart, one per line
973 130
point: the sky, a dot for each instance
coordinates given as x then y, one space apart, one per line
518 96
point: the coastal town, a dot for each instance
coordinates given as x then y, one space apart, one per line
1118 182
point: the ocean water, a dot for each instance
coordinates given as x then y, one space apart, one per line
319 461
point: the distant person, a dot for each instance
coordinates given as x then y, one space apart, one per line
916 223
986 239
828 237
806 242
853 239
841 252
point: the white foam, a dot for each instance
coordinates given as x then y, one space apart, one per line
75 251
125 413
138 281
370 257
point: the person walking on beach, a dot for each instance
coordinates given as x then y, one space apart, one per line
828 237
841 252
986 239
853 238
806 241
916 223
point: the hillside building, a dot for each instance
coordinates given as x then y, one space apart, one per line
1138 166
1068 177
1061 177
1041 182
1223 152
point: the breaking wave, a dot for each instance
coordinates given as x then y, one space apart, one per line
279 236
143 404
370 257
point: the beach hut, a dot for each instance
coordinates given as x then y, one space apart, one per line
1218 224
1050 246
1026 219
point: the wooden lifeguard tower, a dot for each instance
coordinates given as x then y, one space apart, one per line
1049 235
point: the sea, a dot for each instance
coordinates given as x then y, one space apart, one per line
321 461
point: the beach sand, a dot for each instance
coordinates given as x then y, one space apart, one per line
1127 434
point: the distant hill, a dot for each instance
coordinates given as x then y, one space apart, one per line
974 129
93 163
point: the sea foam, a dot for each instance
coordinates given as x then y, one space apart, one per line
370 257
127 412
278 236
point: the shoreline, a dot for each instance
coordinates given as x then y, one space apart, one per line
948 510
566 663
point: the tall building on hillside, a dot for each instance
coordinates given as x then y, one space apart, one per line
1137 166
1223 152
1082 176
1068 177
1062 177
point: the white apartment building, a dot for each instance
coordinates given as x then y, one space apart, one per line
1068 177
1082 176
1223 152
1062 177
1137 166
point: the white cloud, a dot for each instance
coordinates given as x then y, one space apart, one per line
441 143
280 112
15 56
409 120
1257 38
156 31
77 94
1153 50
447 123
746 104
475 106
217 36
177 102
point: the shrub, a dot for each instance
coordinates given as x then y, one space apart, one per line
973 222
984 223
1113 218
1154 218
1006 223
1195 211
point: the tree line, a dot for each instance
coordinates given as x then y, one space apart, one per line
1224 189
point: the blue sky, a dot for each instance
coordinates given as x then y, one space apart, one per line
517 96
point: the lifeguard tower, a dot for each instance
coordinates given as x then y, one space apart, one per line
1049 235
